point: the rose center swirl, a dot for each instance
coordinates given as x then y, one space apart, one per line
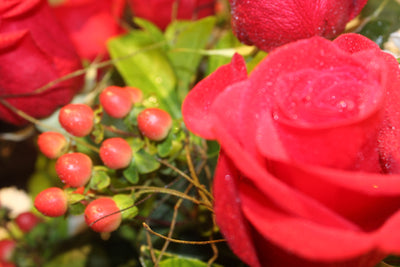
314 97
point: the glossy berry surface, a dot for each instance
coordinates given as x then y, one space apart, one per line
51 202
154 123
76 119
116 101
7 247
96 215
116 153
74 169
26 221
52 144
136 94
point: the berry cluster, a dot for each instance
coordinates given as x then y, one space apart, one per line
126 153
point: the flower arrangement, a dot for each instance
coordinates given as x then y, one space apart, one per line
201 133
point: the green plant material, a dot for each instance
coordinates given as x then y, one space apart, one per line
145 162
100 180
172 260
75 198
76 208
126 204
378 30
135 143
227 40
165 147
77 256
382 18
98 130
252 64
185 38
131 173
142 62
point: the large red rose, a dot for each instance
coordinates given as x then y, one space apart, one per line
269 24
90 23
161 12
34 50
308 173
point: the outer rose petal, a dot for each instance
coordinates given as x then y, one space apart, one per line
34 51
227 207
83 20
196 106
270 24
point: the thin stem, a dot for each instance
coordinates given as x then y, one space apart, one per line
187 177
194 175
182 241
173 223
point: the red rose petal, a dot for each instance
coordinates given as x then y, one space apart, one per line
227 208
196 106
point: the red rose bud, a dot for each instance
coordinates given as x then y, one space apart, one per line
74 169
77 119
52 144
102 215
154 123
34 50
90 23
116 101
269 24
160 12
51 202
309 168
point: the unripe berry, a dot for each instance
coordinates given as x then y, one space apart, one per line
116 153
154 123
52 144
76 119
52 202
96 215
26 221
116 101
7 247
136 94
74 169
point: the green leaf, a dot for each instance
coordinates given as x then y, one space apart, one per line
145 162
140 59
75 257
131 173
74 198
185 38
378 30
100 180
76 208
227 40
165 147
125 203
151 28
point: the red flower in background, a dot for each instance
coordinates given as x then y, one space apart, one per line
90 23
160 12
34 50
269 24
308 173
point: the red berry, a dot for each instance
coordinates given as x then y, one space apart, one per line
116 153
74 169
52 144
26 221
7 264
116 101
76 119
7 247
52 202
96 215
154 123
136 94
